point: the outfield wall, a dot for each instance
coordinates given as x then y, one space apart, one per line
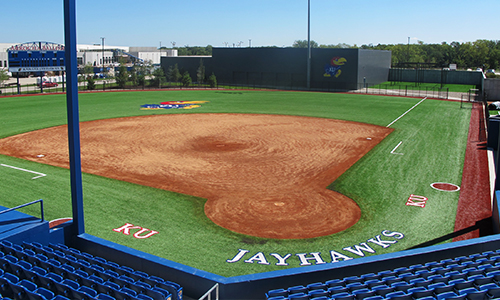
286 68
436 76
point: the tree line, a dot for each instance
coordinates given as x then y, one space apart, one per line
484 54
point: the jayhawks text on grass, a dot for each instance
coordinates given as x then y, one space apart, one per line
307 259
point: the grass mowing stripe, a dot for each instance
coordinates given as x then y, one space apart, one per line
433 136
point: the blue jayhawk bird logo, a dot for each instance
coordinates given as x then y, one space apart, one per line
333 69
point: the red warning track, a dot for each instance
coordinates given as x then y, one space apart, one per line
474 203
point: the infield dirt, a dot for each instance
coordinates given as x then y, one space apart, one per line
262 175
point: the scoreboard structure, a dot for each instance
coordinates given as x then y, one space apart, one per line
36 57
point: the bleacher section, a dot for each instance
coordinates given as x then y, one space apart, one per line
36 272
473 277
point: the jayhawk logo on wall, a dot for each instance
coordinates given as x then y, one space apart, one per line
333 69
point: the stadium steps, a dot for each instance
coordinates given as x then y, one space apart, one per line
36 272
473 277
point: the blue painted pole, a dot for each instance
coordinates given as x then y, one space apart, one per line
73 115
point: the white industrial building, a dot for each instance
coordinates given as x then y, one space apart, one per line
94 54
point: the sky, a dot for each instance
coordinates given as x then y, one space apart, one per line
253 23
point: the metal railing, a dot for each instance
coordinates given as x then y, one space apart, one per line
26 204
208 294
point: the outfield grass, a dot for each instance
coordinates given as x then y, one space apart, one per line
433 137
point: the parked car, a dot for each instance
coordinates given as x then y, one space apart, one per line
49 84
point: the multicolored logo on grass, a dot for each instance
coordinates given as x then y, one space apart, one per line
333 68
173 105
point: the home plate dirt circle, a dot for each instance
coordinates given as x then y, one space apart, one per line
262 175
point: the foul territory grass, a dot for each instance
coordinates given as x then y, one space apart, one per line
459 88
433 137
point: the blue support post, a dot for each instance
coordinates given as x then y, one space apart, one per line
73 115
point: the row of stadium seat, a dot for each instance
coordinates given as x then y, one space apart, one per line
57 270
476 276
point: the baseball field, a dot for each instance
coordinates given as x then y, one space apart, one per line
238 182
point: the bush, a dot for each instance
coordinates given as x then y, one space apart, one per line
212 81
90 83
491 75
186 79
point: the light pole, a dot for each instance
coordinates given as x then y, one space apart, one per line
102 39
308 44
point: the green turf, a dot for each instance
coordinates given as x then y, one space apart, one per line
459 88
433 139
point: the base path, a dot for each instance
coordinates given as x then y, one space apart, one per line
262 175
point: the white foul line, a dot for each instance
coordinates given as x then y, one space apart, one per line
392 152
406 112
24 170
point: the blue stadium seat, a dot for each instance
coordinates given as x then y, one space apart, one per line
352 279
297 289
276 293
355 286
446 295
317 293
87 290
375 298
104 297
316 286
369 276
421 293
58 269
440 288
322 298
144 297
402 286
396 294
298 296
494 292
438 278
5 287
363 294
374 282
45 293
390 279
337 289
334 282
408 276
342 296
156 293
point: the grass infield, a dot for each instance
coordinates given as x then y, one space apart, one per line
433 137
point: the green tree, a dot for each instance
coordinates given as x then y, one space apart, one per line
212 81
158 78
88 69
122 77
168 75
176 75
90 83
133 75
3 76
186 79
303 44
200 73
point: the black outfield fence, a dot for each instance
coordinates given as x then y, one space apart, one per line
393 89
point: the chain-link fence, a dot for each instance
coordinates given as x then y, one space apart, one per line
407 90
